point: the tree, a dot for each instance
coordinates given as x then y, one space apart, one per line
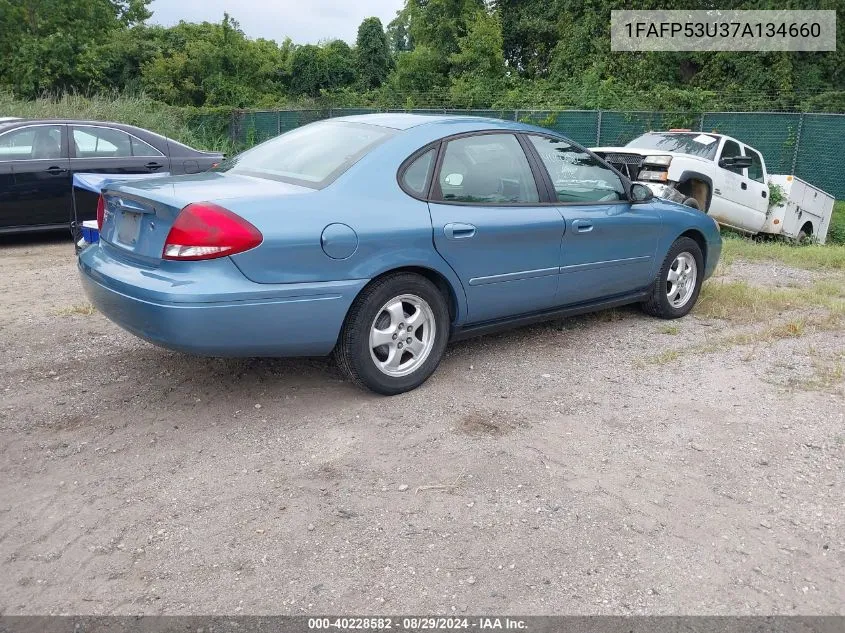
307 71
399 35
53 46
373 54
339 65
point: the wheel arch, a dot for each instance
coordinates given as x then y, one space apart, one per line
443 284
698 237
807 227
688 175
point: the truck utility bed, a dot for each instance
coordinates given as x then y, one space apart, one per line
804 208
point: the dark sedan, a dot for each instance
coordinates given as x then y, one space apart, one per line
39 157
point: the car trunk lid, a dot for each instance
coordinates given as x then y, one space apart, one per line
139 215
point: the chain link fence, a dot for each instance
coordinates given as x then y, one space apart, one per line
810 146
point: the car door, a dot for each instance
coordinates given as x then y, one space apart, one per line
609 245
729 204
35 182
491 227
107 150
756 193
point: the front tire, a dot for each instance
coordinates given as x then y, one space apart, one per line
693 203
394 335
678 282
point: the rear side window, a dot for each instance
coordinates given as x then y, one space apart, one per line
140 148
755 172
101 142
313 155
415 177
486 169
577 176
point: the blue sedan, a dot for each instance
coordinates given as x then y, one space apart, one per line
382 237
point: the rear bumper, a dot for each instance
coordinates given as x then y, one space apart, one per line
210 309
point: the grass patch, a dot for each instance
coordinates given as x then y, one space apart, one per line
836 232
794 328
828 256
81 309
741 302
672 330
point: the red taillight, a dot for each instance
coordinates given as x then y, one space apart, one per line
204 231
101 211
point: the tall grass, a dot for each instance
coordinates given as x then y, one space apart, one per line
830 255
199 128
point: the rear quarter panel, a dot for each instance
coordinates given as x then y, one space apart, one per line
393 230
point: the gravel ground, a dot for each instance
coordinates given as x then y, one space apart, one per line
547 470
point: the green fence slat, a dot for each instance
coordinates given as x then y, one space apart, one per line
821 152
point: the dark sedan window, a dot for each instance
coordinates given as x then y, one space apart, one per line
101 142
313 155
140 148
32 143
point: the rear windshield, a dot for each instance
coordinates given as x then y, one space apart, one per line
703 145
311 156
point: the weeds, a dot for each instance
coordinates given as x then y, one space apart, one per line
828 256
81 309
741 302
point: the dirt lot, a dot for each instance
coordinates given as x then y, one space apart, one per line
608 464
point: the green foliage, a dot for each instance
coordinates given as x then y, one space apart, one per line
776 195
836 232
373 54
509 54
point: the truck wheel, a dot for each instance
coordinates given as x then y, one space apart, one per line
394 335
805 235
692 202
678 282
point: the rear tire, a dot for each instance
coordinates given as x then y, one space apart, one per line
394 335
678 282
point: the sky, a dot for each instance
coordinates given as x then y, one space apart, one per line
304 21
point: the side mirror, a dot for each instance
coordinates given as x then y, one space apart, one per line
740 162
640 193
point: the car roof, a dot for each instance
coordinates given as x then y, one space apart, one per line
22 121
405 120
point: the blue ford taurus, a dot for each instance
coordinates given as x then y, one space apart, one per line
382 237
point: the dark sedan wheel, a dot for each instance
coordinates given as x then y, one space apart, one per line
394 335
678 282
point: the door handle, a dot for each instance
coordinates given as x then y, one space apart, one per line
582 226
153 166
763 193
458 230
744 185
55 170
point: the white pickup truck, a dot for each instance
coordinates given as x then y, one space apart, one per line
725 178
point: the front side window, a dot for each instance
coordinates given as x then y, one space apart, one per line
577 176
730 150
312 156
32 143
486 169
755 172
